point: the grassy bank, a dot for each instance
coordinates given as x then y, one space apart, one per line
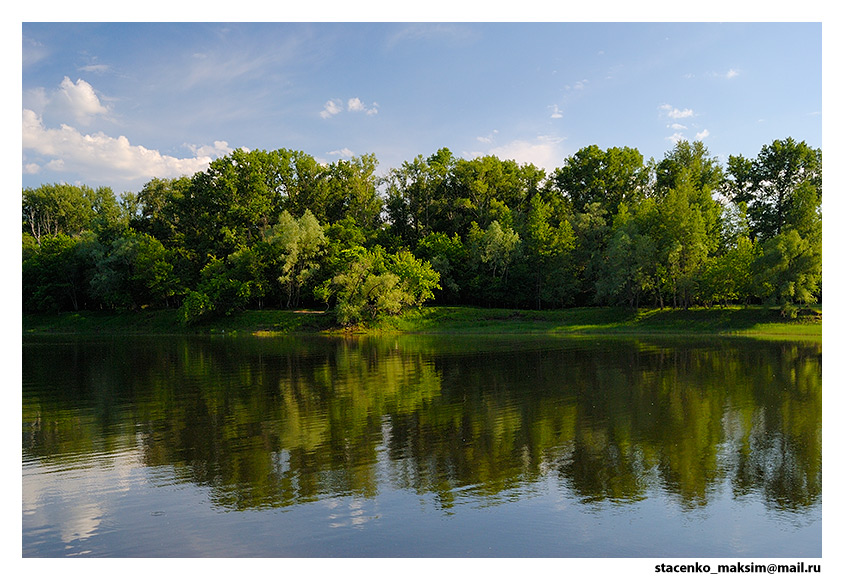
607 320
754 321
165 322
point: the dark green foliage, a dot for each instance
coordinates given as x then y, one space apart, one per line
134 271
448 257
56 274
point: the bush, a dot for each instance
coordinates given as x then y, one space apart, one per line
374 284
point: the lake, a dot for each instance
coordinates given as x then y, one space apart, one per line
421 446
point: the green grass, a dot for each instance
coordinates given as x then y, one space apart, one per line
761 321
750 321
160 322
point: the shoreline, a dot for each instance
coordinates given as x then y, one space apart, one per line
753 321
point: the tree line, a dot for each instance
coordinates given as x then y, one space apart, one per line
277 229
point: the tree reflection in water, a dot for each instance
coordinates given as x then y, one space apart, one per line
274 422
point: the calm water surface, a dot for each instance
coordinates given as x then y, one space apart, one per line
420 447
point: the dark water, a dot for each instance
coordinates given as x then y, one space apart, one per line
421 447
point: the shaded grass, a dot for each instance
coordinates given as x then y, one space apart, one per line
755 321
165 322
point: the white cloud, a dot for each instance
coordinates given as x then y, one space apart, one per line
331 109
732 73
487 138
675 113
95 68
675 137
577 86
544 151
702 134
353 105
345 152
77 100
33 52
677 126
218 149
77 103
101 157
357 105
556 112
36 99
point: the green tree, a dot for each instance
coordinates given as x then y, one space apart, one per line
675 248
448 257
54 209
547 251
591 235
409 203
627 271
492 252
299 182
56 273
487 189
297 246
729 277
788 270
682 242
226 286
350 190
690 166
375 284
689 161
157 208
780 186
607 178
132 272
494 246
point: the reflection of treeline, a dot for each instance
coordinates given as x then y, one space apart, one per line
274 423
278 229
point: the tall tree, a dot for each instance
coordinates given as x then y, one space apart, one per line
157 208
297 246
693 159
548 244
605 177
627 272
691 167
53 209
56 274
782 188
779 186
410 193
449 258
134 271
350 189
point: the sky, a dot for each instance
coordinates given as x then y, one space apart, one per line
116 104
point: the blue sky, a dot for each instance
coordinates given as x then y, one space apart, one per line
117 104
